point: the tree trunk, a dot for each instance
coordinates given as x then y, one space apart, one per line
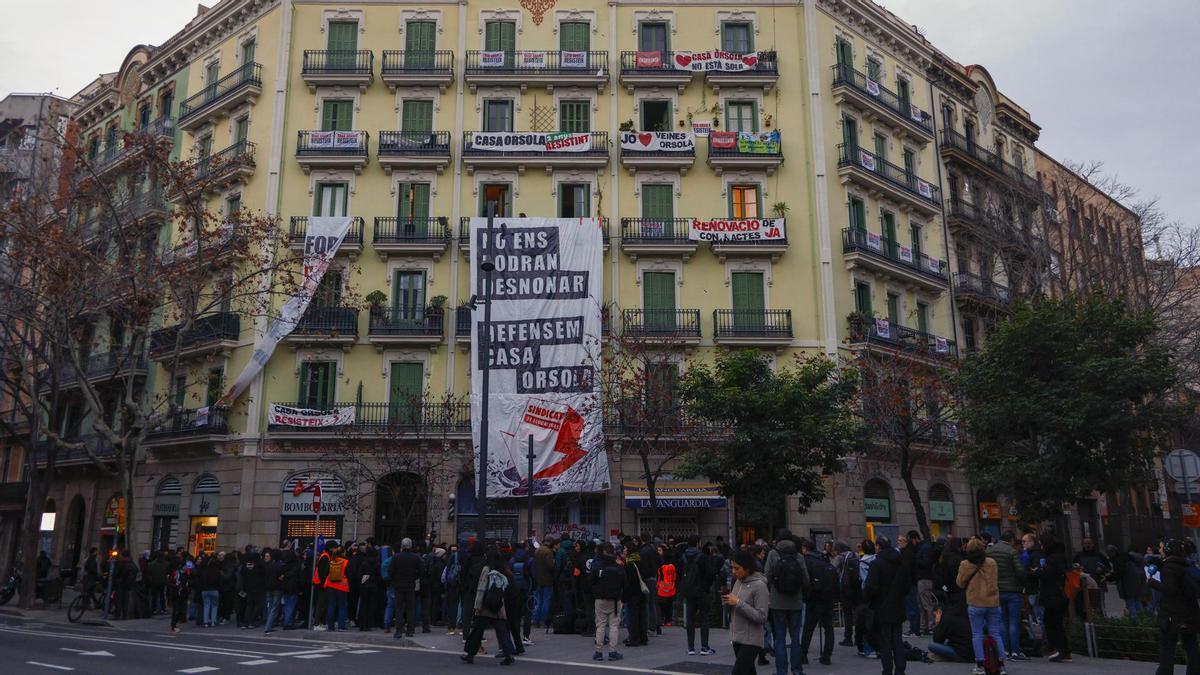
914 495
31 535
130 543
651 483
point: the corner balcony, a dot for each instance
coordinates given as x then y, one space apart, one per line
108 366
968 153
657 236
332 150
325 68
217 99
408 236
326 326
738 151
404 326
418 418
881 336
216 172
402 68
351 245
412 149
191 427
210 334
652 69
979 295
537 68
882 178
764 73
483 149
879 104
116 157
962 214
671 160
878 254
752 327
662 326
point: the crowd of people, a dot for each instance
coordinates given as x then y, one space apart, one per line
984 601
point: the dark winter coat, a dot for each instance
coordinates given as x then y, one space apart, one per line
1175 607
699 578
1052 577
289 571
954 630
887 585
253 579
404 569
1130 575
271 574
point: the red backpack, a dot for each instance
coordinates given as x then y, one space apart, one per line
991 656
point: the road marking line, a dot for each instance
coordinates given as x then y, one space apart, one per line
257 662
137 643
48 665
200 669
363 651
314 656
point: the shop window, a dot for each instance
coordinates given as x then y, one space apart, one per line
877 501
941 509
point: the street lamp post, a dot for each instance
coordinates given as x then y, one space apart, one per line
487 267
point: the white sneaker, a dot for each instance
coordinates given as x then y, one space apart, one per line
319 627
978 670
526 641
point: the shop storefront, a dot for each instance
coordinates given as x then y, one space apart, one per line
165 527
297 520
941 510
990 512
681 505
576 517
877 510
203 515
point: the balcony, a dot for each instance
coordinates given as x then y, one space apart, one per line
332 150
537 68
109 366
418 418
99 447
965 151
189 427
406 236
417 69
752 327
974 293
351 245
877 103
220 170
764 73
882 178
404 326
216 100
652 69
521 149
208 335
118 156
881 255
326 326
665 326
657 236
673 160
324 68
770 247
410 149
144 208
888 338
962 214
742 150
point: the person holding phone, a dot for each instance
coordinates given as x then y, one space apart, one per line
748 604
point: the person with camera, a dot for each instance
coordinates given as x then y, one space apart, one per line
1178 612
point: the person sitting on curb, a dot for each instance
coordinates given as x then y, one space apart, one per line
951 639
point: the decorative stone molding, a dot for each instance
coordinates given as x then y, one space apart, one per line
759 178
575 15
486 15
656 177
406 15
306 355
336 93
591 178
391 356
414 175
343 14
416 94
409 264
748 264
332 176
577 94
675 265
483 176
723 16
666 16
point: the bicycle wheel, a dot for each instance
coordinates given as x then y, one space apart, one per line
75 611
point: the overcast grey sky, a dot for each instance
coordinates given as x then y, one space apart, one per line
1111 80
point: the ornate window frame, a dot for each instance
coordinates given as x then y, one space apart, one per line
486 15
666 16
434 15
737 16
343 14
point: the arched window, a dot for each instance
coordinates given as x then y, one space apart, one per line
206 484
877 501
169 487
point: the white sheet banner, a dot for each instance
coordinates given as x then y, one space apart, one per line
533 59
305 417
520 141
883 328
574 59
872 87
867 160
737 229
906 254
658 141
333 139
543 355
321 241
493 59
715 60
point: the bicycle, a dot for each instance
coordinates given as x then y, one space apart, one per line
87 599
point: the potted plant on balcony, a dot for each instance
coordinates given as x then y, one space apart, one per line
858 323
436 307
780 209
376 301
627 125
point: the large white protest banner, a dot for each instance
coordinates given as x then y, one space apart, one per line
737 229
658 141
528 141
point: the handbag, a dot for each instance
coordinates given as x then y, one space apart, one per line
641 583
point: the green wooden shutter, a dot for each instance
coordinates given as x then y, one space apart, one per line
862 298
343 42
417 116
212 73
574 36
748 301
915 234
905 95
652 37
736 37
881 150
858 215
922 317
658 300
573 116
889 234
317 384
893 309
241 129
404 395
214 387
337 115
658 204
845 54
501 36
331 199
850 137
419 44
741 116
248 52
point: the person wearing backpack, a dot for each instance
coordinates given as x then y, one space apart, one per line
887 583
849 588
977 575
608 583
1178 613
1051 573
522 569
337 589
787 578
822 593
490 587
697 585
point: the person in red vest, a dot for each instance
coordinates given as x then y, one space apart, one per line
666 590
337 588
320 572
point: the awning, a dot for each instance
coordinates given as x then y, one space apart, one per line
672 494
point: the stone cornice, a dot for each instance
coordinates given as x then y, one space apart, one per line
226 18
884 29
1017 123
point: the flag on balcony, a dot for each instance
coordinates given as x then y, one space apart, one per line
916 114
940 345
758 142
522 141
309 419
722 140
542 358
906 254
649 60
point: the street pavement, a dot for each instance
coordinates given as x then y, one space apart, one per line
42 641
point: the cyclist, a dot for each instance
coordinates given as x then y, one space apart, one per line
91 575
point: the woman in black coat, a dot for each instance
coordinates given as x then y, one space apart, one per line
1051 573
1178 613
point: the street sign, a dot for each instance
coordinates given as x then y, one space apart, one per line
1187 488
1182 465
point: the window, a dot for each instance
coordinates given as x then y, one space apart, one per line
500 36
652 37
212 73
893 309
408 299
404 392
143 115
922 317
881 149
874 69
744 201
655 116
416 116
574 36
862 298
877 501
658 207
658 300
212 390
737 37
248 52
116 334
969 132
558 513
888 222
233 204
179 390
904 93
574 116
497 195
574 200
910 165
331 199
748 301
858 214
498 115
850 136
317 384
110 138
342 45
412 201
165 103
741 116
241 129
845 54
93 147
969 334
420 43
915 237
337 115
329 290
204 146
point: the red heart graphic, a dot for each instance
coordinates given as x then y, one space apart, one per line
645 139
683 59
750 59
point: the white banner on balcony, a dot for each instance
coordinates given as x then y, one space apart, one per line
543 356
941 345
906 254
924 189
658 141
333 139
934 265
574 59
307 418
321 241
874 241
872 87
915 113
493 59
521 141
867 160
737 229
714 60
883 328
533 59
